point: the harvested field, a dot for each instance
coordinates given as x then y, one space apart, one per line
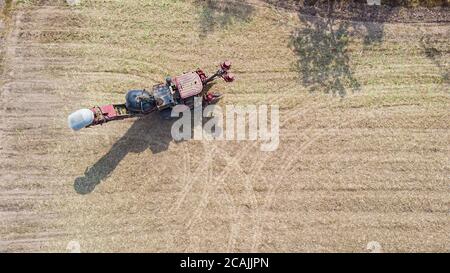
364 138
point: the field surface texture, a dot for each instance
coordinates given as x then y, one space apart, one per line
363 159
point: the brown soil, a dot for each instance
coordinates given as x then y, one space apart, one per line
371 165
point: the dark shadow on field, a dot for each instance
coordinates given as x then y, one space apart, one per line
222 13
369 21
5 7
436 56
151 132
374 33
321 46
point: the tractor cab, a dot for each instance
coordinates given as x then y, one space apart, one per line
163 96
178 90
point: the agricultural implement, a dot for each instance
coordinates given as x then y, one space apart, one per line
178 91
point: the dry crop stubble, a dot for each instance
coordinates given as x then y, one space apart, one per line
372 166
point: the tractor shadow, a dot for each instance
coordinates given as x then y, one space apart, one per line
220 14
150 132
321 46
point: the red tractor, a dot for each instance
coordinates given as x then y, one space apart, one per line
179 90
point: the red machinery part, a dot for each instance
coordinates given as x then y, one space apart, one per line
228 77
189 84
226 65
104 114
201 74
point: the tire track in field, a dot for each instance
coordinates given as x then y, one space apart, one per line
286 169
188 178
231 161
233 167
228 169
19 80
